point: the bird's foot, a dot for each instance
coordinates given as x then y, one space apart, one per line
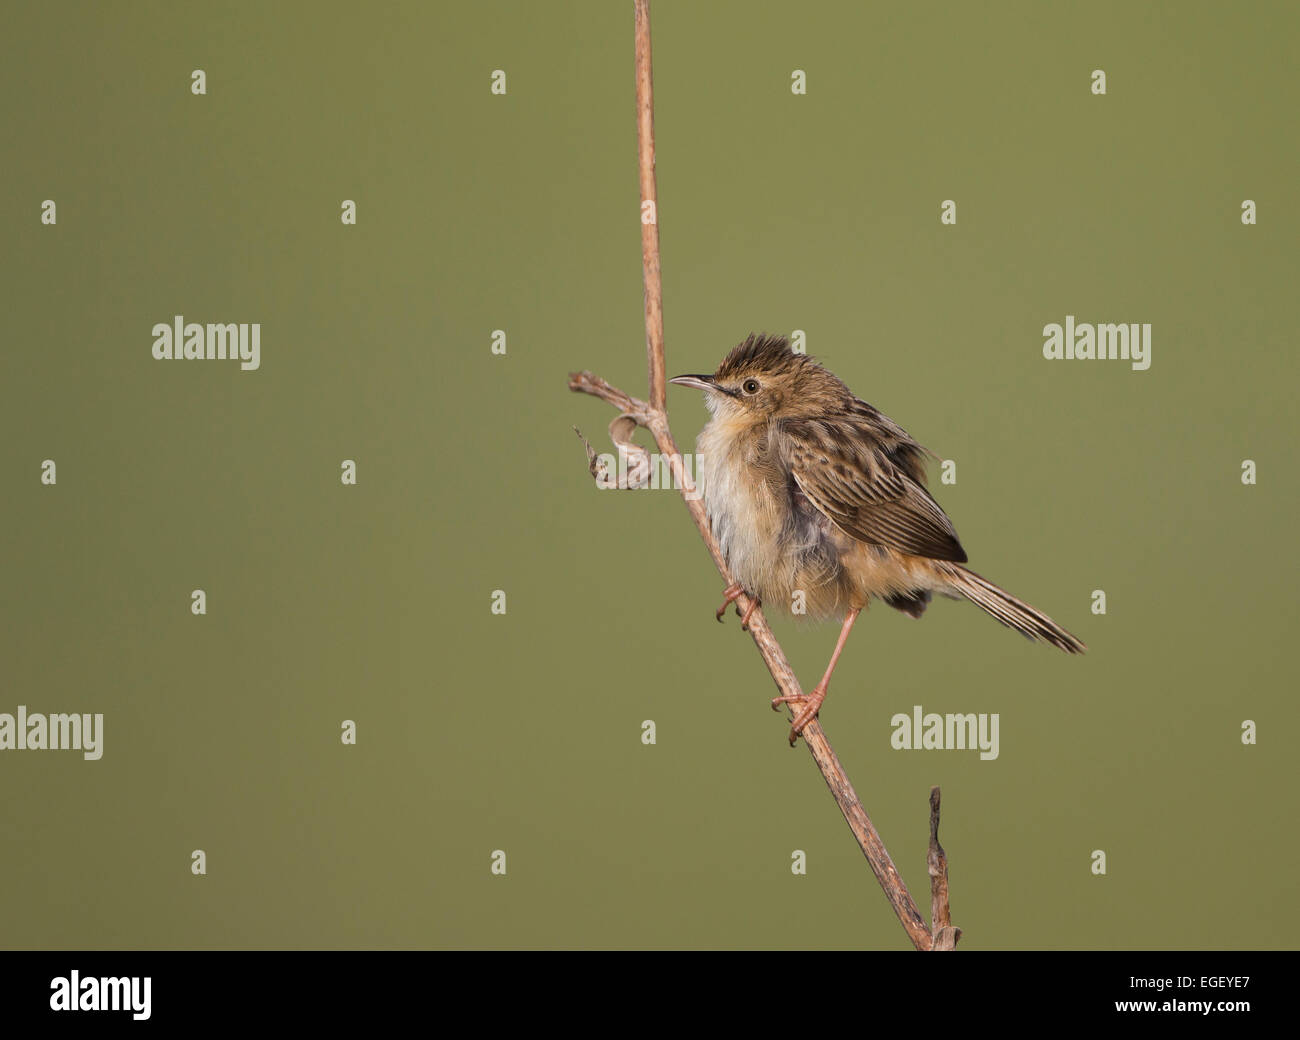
732 593
809 705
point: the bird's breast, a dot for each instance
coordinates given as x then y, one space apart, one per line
775 543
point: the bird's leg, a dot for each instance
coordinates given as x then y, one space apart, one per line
731 593
744 618
810 703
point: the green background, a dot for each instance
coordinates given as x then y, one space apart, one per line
522 732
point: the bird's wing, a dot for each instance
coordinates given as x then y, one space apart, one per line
860 474
902 450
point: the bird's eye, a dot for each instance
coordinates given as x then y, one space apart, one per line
750 386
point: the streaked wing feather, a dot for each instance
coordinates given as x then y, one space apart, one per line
860 474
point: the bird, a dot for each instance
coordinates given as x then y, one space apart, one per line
819 504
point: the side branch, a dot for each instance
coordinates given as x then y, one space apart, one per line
945 936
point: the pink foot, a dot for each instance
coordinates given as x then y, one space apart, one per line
809 705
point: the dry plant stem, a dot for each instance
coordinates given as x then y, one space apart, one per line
653 416
645 137
945 936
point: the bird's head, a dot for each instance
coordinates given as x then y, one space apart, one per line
763 379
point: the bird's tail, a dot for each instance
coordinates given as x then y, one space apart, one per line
1012 612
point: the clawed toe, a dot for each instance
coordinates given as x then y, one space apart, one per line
730 595
809 705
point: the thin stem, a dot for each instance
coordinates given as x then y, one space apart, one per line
945 936
653 415
645 127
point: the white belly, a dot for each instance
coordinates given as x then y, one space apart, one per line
752 527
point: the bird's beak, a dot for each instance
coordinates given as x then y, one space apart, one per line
699 382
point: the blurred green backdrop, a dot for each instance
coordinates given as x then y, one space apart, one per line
521 732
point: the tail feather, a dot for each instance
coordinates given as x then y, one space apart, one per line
1012 612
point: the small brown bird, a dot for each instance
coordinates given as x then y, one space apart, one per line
810 490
